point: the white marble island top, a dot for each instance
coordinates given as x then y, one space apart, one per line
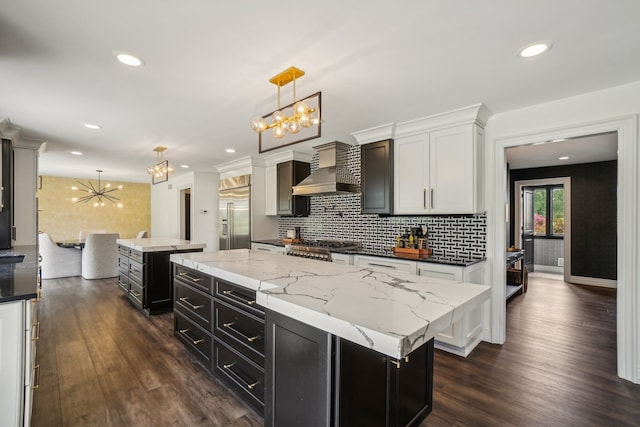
160 244
392 313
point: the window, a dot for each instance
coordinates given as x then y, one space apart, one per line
548 211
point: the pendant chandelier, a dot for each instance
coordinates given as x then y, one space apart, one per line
99 193
301 116
161 169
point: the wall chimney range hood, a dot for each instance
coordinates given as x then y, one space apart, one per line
332 175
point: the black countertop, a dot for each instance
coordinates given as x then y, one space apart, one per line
388 253
18 280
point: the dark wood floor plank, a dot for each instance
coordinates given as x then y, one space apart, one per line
106 364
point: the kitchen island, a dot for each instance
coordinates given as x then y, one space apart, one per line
144 270
337 342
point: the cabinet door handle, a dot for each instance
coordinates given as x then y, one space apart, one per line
35 336
195 342
382 265
431 198
36 382
229 326
193 307
424 198
190 277
233 295
250 386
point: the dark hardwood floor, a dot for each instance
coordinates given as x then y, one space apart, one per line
105 364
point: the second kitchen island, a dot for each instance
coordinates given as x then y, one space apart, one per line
316 343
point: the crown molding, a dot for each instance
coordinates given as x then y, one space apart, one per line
477 113
10 131
285 156
374 134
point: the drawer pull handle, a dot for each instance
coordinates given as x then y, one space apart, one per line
248 338
36 336
232 294
36 384
190 277
195 342
382 265
193 307
250 386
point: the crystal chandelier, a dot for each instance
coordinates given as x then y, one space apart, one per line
161 169
99 193
302 116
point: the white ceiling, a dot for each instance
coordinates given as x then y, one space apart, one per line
587 149
207 66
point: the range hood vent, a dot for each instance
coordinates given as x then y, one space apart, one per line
332 175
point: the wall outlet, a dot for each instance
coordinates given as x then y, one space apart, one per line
560 262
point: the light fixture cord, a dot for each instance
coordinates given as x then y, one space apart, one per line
278 96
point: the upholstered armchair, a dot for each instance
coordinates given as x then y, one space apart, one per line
57 261
100 256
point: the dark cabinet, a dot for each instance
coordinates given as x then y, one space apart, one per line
314 378
376 169
376 390
222 327
145 278
289 174
297 374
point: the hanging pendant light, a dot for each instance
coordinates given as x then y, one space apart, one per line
99 193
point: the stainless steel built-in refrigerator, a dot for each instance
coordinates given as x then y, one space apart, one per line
235 229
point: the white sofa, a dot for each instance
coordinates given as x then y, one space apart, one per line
57 261
100 256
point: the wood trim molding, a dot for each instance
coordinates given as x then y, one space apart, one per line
592 281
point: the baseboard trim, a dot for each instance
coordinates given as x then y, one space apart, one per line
592 281
459 351
547 269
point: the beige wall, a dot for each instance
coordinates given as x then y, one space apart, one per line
63 219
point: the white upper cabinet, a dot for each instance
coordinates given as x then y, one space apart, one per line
438 164
271 193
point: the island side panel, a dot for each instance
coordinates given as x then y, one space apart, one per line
298 370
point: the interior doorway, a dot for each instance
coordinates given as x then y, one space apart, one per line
530 222
185 213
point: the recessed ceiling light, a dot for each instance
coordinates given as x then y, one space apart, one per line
534 49
92 126
77 153
563 158
184 166
128 59
230 150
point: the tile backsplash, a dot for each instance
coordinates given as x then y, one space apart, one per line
338 217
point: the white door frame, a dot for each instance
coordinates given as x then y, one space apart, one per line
566 183
628 342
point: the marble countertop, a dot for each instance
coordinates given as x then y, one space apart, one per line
19 280
392 313
160 244
435 258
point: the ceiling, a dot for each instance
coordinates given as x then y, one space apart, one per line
208 65
587 149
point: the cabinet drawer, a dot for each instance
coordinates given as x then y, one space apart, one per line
123 263
194 304
238 296
136 256
194 278
241 374
123 251
385 264
135 271
123 282
135 294
198 342
242 331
